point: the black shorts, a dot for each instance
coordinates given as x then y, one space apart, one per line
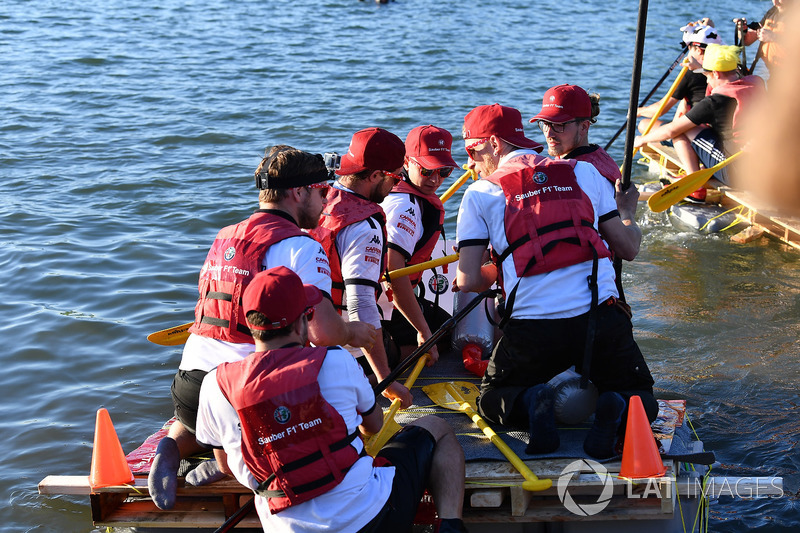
186 396
410 451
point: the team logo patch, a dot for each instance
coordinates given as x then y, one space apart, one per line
282 414
438 284
540 178
230 253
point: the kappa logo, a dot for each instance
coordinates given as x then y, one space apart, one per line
441 142
375 240
410 210
282 414
230 253
575 468
540 178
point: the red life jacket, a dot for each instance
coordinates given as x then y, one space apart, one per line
744 91
235 257
549 220
294 442
344 209
600 160
432 221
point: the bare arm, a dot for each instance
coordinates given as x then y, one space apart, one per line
222 461
650 110
329 329
472 275
666 131
405 301
373 422
622 233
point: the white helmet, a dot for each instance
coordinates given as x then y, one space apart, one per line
701 34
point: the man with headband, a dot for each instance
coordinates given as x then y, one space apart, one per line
292 185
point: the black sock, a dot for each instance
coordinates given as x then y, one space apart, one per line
540 402
603 434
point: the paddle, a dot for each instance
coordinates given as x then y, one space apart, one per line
625 181
649 95
375 442
177 335
461 396
663 105
674 193
423 348
237 517
458 183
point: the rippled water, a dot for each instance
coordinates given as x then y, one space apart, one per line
129 135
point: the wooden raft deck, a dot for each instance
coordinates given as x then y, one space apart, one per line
663 160
485 501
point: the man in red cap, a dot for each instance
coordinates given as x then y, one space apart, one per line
543 220
352 230
414 218
292 186
302 408
566 115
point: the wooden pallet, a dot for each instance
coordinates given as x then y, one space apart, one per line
664 161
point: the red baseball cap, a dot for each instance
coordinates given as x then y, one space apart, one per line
372 149
496 119
430 147
563 103
279 294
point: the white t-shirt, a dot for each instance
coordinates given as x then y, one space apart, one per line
305 257
347 507
403 222
562 293
360 248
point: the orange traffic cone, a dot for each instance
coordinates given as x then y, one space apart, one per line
109 466
640 456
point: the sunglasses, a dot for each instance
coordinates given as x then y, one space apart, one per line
309 312
471 148
556 127
444 172
396 177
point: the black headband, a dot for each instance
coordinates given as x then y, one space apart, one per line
263 180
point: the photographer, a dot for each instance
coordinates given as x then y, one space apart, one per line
768 32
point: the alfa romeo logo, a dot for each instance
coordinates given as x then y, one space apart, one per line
584 509
230 253
540 178
282 414
438 284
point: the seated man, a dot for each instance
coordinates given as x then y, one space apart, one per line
711 131
292 192
414 218
692 87
566 115
287 403
541 218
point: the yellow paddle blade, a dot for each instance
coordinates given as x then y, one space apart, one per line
439 394
172 336
675 192
375 442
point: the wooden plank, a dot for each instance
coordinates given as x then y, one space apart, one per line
79 485
194 513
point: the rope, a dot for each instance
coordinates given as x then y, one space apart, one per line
729 226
